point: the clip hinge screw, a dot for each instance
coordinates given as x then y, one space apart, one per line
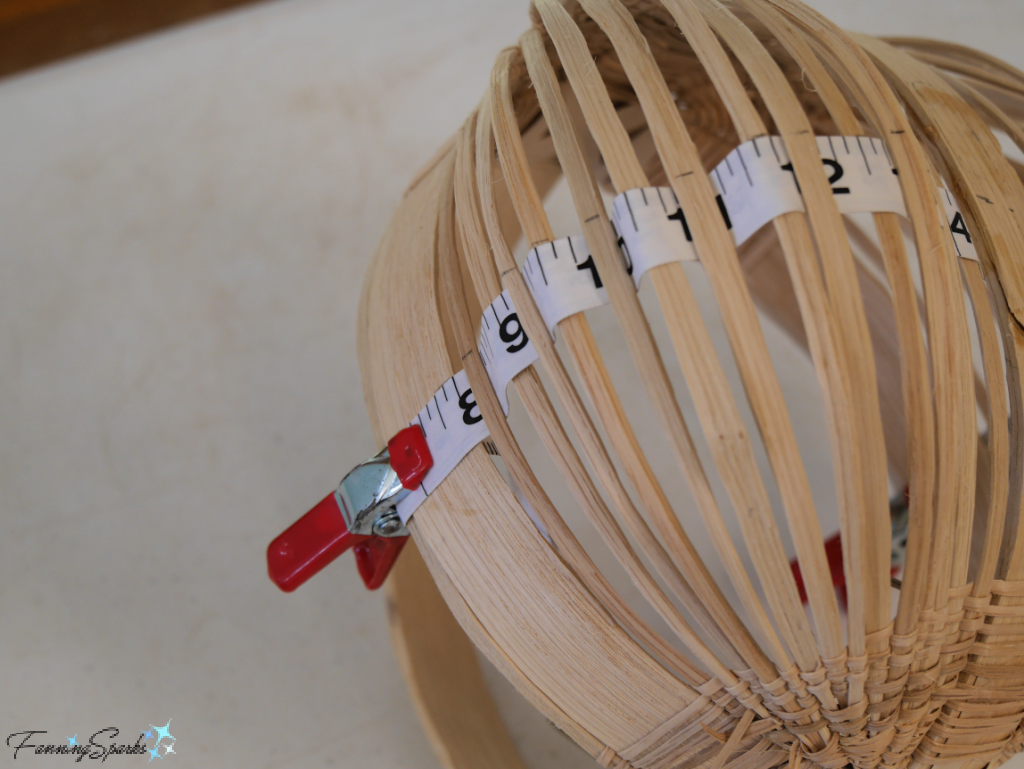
388 524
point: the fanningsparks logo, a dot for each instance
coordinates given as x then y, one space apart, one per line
101 745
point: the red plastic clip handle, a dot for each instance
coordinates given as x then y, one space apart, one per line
410 456
834 556
376 556
320 536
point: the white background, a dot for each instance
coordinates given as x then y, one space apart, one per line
184 225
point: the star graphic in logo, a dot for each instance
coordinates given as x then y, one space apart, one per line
161 731
148 734
169 747
154 753
72 741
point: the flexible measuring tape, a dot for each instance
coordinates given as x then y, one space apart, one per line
755 184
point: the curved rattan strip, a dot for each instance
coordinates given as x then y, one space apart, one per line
881 319
979 74
598 231
487 400
601 241
866 546
947 328
399 304
930 86
544 418
796 247
772 692
993 517
594 375
587 361
768 279
452 291
1000 188
723 426
963 53
708 386
694 192
1014 551
947 323
578 416
883 696
1012 335
894 258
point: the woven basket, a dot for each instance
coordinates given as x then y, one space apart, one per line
607 96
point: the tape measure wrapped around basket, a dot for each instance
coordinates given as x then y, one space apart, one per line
746 137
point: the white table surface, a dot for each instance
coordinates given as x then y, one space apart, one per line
184 225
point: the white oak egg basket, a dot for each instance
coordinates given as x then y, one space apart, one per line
911 315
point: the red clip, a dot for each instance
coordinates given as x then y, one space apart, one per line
410 456
320 536
834 556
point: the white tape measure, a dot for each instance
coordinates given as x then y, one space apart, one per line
504 347
755 184
563 279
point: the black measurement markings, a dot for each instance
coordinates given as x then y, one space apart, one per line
739 154
630 209
620 241
534 258
888 157
863 154
484 343
439 414
541 266
662 199
571 251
